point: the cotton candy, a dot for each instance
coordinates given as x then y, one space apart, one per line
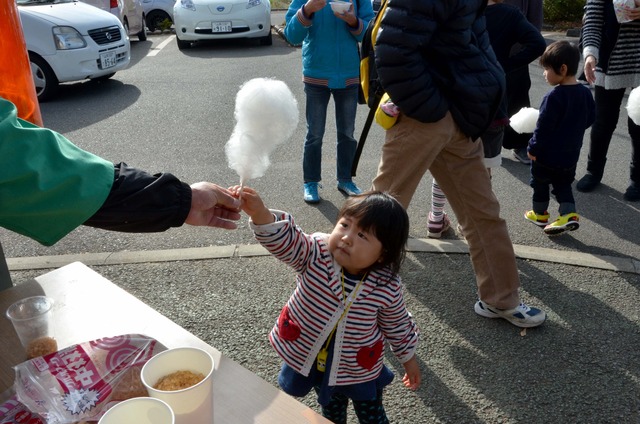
525 120
633 105
266 115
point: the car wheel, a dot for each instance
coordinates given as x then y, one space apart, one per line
104 77
155 18
142 35
183 44
125 24
44 78
266 41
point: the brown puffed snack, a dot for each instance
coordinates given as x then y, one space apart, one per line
41 346
130 385
178 380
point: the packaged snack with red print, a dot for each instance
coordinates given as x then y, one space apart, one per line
81 382
13 411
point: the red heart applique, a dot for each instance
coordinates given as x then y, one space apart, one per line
288 329
368 356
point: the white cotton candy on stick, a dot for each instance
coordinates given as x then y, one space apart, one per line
633 105
525 120
266 115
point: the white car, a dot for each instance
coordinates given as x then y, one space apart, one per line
130 12
71 41
158 13
219 19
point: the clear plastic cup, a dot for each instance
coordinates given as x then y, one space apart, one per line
142 410
191 405
32 318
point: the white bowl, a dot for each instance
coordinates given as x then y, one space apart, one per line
340 6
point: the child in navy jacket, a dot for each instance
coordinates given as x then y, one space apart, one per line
565 113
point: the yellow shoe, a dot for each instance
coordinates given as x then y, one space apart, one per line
539 220
568 222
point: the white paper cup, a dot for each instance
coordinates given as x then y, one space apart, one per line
340 6
142 410
32 318
193 405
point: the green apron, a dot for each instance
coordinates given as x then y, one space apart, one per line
48 186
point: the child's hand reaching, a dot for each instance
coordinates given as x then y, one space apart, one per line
411 378
252 205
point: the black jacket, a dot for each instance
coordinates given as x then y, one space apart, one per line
435 56
142 203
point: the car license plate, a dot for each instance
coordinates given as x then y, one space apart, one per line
108 60
221 26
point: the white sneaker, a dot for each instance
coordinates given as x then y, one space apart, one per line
520 316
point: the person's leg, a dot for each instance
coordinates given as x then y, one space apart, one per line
336 410
317 99
539 182
607 112
437 222
371 411
562 191
561 180
518 83
346 104
633 191
409 149
460 171
438 201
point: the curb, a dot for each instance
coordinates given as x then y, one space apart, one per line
586 260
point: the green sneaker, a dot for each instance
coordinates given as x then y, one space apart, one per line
539 220
568 222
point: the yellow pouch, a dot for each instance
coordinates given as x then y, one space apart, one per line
321 362
384 120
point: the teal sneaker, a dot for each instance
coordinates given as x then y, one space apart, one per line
311 192
348 188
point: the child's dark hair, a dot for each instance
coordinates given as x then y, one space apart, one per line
383 216
561 53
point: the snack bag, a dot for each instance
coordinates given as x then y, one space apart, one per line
81 382
13 411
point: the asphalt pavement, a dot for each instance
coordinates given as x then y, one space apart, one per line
581 366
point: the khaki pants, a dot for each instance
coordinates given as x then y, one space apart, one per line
410 149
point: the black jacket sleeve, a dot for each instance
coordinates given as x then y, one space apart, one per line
142 203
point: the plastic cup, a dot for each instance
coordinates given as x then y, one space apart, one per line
192 405
142 410
32 318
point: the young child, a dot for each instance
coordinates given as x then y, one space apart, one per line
565 113
347 303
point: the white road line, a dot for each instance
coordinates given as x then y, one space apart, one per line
155 50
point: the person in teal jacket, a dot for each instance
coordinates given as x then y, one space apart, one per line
49 186
330 67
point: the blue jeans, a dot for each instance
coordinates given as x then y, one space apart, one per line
346 103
